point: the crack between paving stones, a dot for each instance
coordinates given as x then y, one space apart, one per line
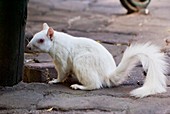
4 108
103 109
104 31
109 95
113 43
91 94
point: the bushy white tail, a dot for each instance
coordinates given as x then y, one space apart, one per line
152 60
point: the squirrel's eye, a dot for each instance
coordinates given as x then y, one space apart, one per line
40 40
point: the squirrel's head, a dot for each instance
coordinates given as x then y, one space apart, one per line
43 40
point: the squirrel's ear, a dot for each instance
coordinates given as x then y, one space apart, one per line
50 32
45 26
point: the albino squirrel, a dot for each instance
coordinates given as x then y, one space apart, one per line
95 67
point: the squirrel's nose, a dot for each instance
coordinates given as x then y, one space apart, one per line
28 47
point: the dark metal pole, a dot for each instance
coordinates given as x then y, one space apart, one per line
13 16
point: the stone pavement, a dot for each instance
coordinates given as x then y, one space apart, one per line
104 21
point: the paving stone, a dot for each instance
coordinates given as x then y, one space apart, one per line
106 10
15 111
155 8
96 22
113 38
86 103
111 3
149 106
105 102
39 72
74 5
19 99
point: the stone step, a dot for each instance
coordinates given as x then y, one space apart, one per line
38 68
39 72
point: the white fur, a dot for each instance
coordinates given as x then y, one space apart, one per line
95 67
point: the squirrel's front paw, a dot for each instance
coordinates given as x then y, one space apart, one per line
76 86
54 81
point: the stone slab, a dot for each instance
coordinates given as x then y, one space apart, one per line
39 72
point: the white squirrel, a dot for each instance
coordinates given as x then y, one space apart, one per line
94 66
